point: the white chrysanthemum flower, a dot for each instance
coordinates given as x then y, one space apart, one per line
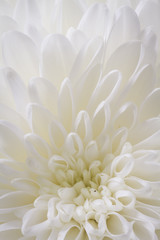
79 120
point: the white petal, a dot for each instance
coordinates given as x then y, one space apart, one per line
144 230
117 226
11 234
6 96
126 116
91 151
13 200
63 17
144 10
65 211
57 135
66 105
118 140
67 193
138 186
146 166
10 225
10 115
125 28
26 12
86 86
57 162
126 198
100 119
69 231
37 147
57 58
40 119
90 55
20 53
149 215
106 89
144 130
143 84
26 185
5 8
74 144
43 92
83 126
7 24
150 143
128 53
149 39
77 38
11 144
151 106
122 165
18 90
95 21
34 221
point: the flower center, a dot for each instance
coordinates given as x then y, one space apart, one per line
87 187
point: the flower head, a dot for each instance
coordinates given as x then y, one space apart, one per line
79 120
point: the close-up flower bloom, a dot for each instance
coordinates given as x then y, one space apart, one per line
79 120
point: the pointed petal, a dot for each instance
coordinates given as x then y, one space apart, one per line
43 92
105 90
125 28
40 119
151 106
86 86
83 126
62 22
10 115
57 135
10 234
18 90
126 116
13 200
90 55
37 146
95 21
100 119
144 10
7 24
57 58
66 105
20 53
128 53
34 221
11 144
143 84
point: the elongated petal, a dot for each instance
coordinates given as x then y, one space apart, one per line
57 58
18 51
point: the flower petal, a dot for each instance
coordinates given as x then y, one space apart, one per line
94 20
11 144
18 90
12 200
8 114
66 105
150 107
105 90
144 9
125 28
83 126
40 119
127 53
43 92
34 221
18 51
57 58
